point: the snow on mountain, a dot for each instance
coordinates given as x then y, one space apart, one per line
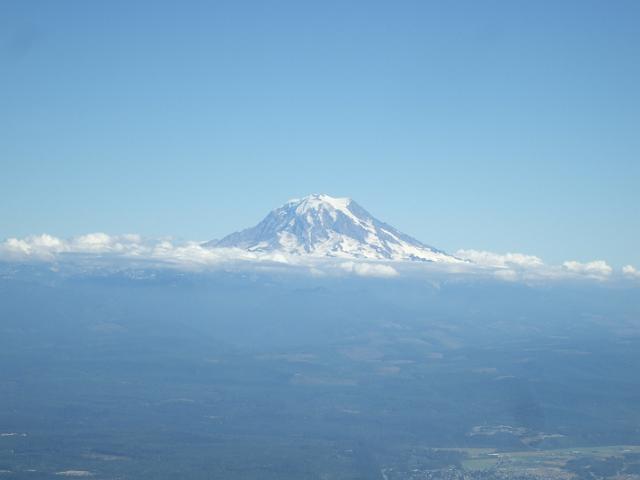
325 226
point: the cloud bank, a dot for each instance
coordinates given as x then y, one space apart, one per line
597 269
368 269
100 248
631 271
492 259
519 266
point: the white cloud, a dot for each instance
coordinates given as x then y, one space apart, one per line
193 254
596 269
188 255
507 275
523 267
631 271
131 248
40 247
368 269
47 247
492 259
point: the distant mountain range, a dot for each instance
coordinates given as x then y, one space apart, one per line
325 226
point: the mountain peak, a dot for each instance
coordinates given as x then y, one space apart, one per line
319 201
326 226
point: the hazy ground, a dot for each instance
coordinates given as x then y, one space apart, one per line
263 376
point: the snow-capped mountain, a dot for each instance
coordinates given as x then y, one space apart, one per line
322 225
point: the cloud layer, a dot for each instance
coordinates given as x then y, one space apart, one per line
130 248
597 269
492 259
631 271
519 266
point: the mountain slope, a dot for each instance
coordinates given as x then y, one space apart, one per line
321 225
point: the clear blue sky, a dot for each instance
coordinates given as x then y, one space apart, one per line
498 125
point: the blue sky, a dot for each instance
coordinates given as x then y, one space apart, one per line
503 126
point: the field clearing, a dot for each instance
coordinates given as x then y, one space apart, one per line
484 459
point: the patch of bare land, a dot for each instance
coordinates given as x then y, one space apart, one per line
617 462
